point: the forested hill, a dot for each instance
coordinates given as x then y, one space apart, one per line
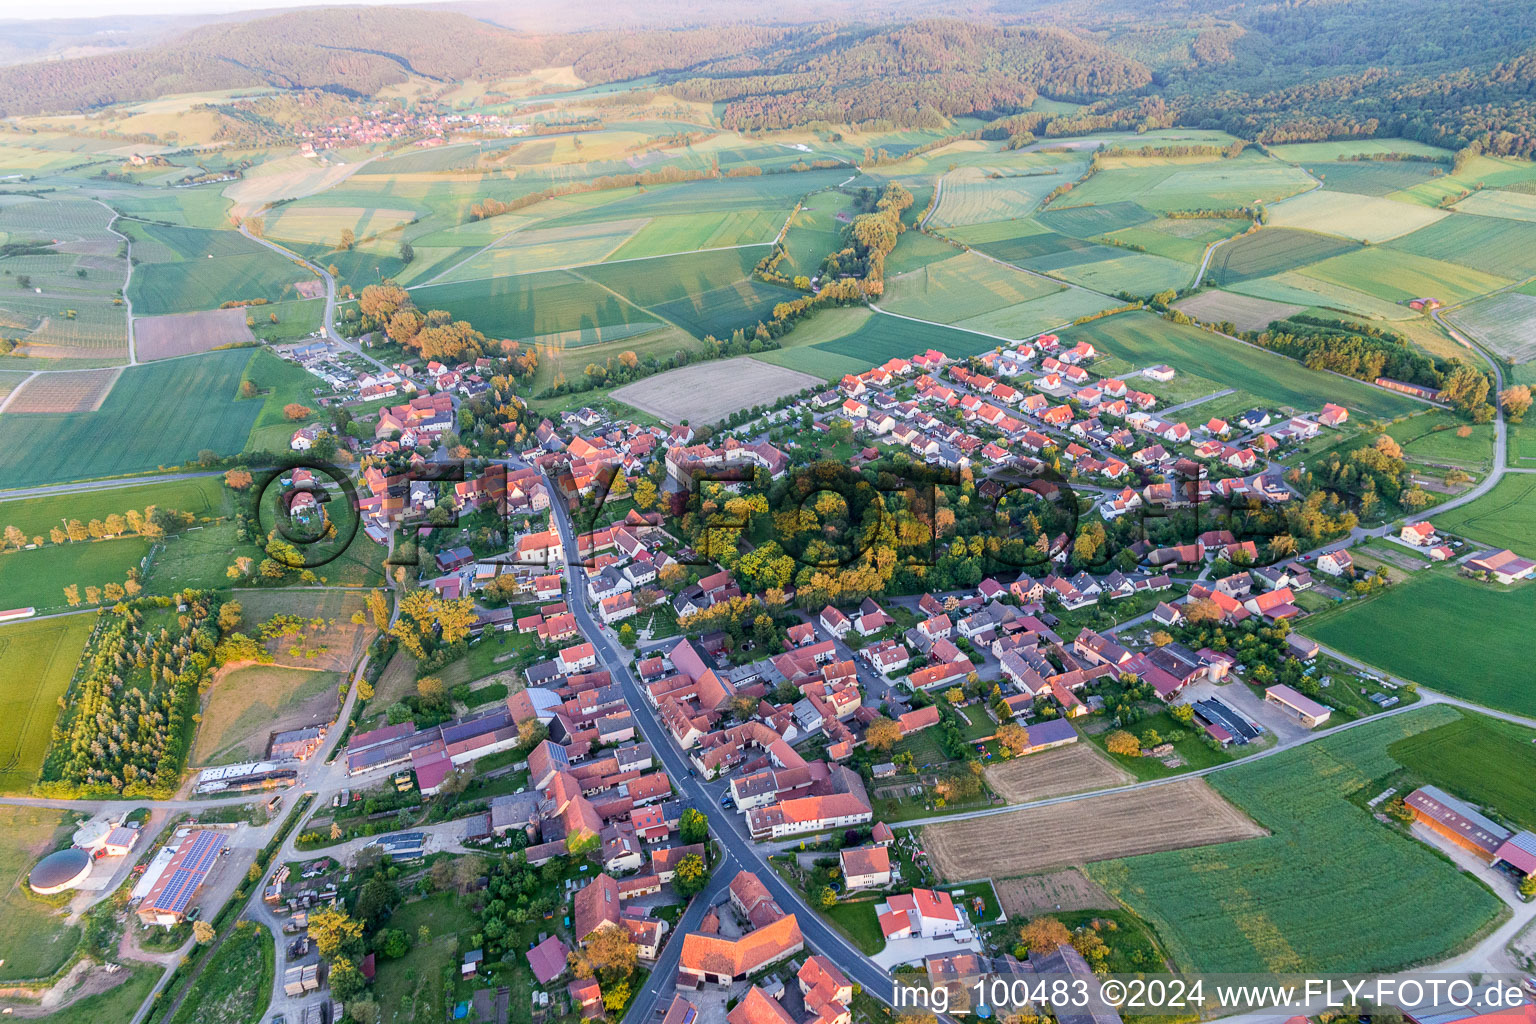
356 51
922 72
1272 71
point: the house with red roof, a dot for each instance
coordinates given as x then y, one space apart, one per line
921 912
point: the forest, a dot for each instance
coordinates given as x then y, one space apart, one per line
1265 72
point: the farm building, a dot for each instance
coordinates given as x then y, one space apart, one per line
173 890
1519 853
1459 822
1505 566
60 870
1300 707
1404 388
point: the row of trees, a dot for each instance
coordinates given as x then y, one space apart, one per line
152 523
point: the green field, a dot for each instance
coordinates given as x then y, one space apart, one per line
1030 318
1306 152
1421 629
1210 183
1181 238
40 659
1505 517
1505 324
916 249
201 496
1272 904
720 311
970 196
1399 276
674 278
160 414
182 269
38 577
1296 288
1372 177
236 982
964 286
883 337
1271 251
534 304
34 940
533 249
1480 759
1092 221
1137 273
1143 339
1490 244
1494 202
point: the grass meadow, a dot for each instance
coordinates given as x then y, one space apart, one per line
201 496
235 983
40 659
38 577
34 940
1272 904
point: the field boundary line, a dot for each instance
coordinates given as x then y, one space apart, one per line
127 278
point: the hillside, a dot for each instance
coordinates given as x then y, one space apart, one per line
1265 71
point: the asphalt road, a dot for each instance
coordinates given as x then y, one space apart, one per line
739 851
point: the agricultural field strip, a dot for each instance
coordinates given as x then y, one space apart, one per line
575 267
1108 825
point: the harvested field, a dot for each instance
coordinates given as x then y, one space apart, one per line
1367 218
310 289
181 334
1245 311
1175 816
1050 892
1074 769
712 391
1503 322
77 391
